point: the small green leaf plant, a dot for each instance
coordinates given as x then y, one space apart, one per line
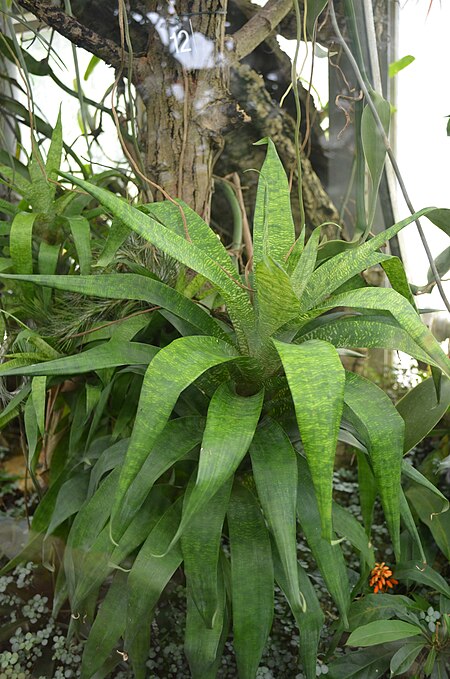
222 443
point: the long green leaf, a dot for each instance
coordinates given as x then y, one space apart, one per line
386 299
230 426
177 439
382 430
419 421
191 356
146 581
108 355
429 509
374 148
203 645
251 580
183 251
339 269
108 626
133 286
200 545
275 470
305 265
316 379
382 632
345 525
20 242
273 226
365 331
329 557
424 574
402 659
276 301
81 233
309 622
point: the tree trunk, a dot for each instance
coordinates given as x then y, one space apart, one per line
183 83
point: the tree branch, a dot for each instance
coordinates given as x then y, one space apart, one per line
261 25
73 30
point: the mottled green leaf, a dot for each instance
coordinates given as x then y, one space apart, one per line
316 379
339 269
20 242
419 421
191 357
329 557
275 470
273 226
230 426
382 431
305 266
276 301
200 545
108 627
251 580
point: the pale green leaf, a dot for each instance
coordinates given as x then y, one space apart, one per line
373 145
419 421
81 233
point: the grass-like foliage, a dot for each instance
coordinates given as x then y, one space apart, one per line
202 436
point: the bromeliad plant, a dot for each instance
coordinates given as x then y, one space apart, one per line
234 438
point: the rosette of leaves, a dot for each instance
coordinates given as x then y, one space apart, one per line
234 437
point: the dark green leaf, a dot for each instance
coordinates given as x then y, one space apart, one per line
382 632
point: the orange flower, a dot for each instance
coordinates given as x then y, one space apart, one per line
381 578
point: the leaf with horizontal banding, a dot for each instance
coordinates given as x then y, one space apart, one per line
251 580
275 471
340 268
382 431
309 622
146 581
200 545
200 233
329 557
185 359
273 226
183 251
230 425
365 331
386 299
108 627
107 355
316 380
203 646
276 301
306 263
419 421
20 242
133 286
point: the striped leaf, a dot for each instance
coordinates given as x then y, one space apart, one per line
386 299
20 242
146 581
305 266
203 645
365 331
183 251
200 545
185 359
316 379
81 233
309 622
109 625
273 226
251 580
133 286
382 430
275 470
229 430
339 269
329 557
